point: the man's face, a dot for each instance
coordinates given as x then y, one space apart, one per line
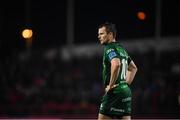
103 36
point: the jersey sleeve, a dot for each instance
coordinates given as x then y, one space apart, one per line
111 53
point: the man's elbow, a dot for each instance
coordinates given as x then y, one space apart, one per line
132 67
135 69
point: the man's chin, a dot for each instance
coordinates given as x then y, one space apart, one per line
103 43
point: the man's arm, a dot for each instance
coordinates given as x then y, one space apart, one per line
131 72
115 67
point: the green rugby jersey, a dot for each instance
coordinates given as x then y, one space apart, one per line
114 50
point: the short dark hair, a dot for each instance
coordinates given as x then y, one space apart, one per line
110 27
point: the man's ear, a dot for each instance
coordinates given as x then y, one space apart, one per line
110 33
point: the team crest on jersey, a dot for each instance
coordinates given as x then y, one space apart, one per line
123 55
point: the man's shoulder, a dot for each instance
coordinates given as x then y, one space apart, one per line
111 45
109 48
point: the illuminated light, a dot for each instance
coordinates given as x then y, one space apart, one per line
27 33
141 15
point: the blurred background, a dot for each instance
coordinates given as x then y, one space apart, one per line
51 60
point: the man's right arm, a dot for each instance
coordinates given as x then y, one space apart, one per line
131 72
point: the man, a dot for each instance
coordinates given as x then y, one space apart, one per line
118 72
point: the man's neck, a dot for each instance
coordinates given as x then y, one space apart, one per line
111 41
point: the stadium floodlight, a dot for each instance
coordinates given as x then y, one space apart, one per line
27 33
141 15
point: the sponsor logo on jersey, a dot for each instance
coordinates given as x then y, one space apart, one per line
111 55
116 109
126 99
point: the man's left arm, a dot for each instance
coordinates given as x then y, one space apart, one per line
131 72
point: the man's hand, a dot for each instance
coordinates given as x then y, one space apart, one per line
108 88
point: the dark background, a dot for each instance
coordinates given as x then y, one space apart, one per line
48 20
52 79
